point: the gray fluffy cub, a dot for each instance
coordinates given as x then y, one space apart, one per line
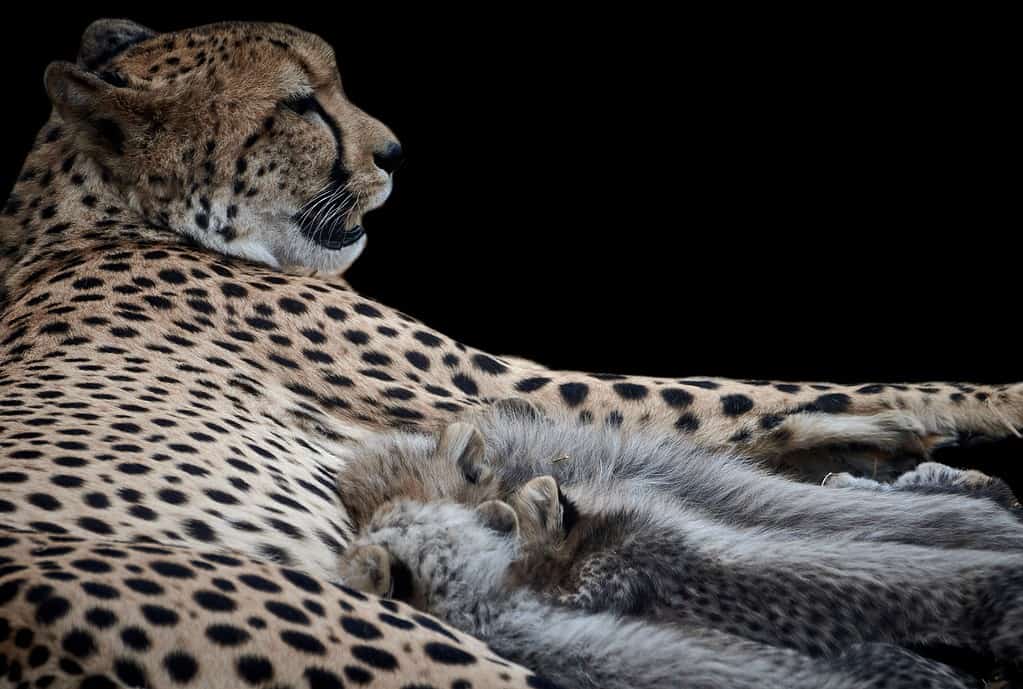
456 563
651 527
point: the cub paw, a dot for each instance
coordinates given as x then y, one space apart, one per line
970 482
368 569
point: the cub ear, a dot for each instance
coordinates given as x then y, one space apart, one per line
463 445
105 39
103 109
539 503
367 568
499 516
517 406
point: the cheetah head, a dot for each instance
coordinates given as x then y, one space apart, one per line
237 135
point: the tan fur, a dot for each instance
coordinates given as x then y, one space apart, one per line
111 319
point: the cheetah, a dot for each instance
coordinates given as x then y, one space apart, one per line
493 454
635 524
457 563
184 370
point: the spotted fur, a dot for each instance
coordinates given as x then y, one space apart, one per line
462 571
181 364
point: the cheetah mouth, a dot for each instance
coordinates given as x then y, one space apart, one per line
335 238
332 233
330 218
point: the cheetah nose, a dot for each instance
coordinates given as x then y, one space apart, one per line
389 158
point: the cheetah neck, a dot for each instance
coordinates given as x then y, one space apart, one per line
63 205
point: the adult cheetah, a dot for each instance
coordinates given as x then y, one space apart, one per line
175 397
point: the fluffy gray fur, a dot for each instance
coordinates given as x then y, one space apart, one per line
519 446
710 541
459 569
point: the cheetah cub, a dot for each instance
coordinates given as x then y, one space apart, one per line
648 555
455 563
491 455
646 526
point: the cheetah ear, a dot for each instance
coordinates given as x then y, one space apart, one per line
539 502
98 106
499 516
463 445
105 39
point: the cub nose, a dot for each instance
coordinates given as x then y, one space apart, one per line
389 158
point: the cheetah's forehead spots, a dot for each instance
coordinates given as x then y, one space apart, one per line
260 53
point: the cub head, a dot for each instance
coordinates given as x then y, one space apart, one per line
395 466
238 135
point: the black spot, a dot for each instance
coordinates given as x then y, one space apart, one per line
214 602
465 384
159 615
181 666
98 590
44 501
375 657
255 669
427 339
259 583
448 654
322 679
52 609
630 391
833 403
292 305
227 635
488 364
360 628
174 277
418 359
735 405
303 642
302 581
101 618
200 530
288 613
368 310
531 384
144 586
335 313
687 423
135 638
676 397
79 643
574 394
395 621
705 384
130 673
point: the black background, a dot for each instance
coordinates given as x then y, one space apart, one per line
748 195
799 196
